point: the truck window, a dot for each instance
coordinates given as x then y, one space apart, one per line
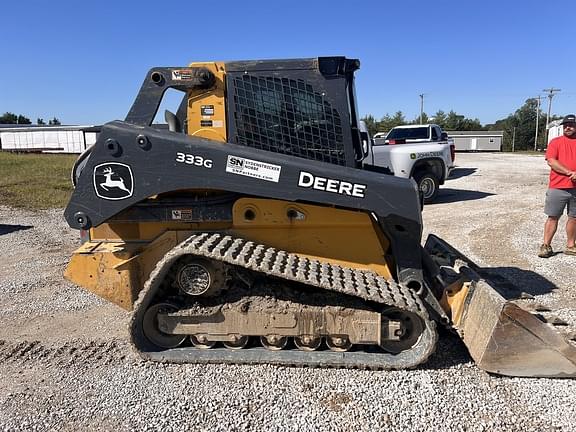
434 134
408 133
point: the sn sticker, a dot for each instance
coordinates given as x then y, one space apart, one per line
113 181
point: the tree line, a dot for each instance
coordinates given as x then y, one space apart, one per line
519 128
11 118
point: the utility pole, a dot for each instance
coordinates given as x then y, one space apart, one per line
537 118
551 92
421 107
513 138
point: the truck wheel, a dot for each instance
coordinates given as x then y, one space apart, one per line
428 184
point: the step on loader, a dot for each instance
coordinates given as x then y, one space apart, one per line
249 230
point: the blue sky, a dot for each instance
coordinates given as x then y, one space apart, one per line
83 62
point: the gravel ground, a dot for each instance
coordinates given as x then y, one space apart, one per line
65 363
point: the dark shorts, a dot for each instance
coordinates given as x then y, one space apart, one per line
558 199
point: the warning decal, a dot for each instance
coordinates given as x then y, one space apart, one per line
182 74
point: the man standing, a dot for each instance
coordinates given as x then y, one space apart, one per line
561 157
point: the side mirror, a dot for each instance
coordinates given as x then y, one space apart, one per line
365 139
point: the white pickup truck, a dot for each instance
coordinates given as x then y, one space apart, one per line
422 152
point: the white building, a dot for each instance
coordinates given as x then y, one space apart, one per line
555 129
477 140
48 139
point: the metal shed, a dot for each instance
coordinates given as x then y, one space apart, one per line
477 140
48 139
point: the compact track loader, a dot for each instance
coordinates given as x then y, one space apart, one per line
250 231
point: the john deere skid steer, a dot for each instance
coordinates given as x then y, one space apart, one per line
249 231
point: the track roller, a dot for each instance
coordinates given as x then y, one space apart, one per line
239 342
338 343
274 342
201 342
308 343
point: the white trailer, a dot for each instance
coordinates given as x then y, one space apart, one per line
47 139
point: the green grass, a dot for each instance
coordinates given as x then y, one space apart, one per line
35 181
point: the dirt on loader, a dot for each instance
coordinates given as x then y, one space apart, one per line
66 362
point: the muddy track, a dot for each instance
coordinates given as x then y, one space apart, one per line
286 266
70 353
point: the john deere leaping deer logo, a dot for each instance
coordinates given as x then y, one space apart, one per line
113 181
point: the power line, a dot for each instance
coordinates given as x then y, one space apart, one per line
551 92
537 118
421 107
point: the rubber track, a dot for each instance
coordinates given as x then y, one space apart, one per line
363 284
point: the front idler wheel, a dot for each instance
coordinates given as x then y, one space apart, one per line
409 333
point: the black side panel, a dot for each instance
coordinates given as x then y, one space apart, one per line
293 107
130 163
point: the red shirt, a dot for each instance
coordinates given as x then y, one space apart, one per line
563 149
